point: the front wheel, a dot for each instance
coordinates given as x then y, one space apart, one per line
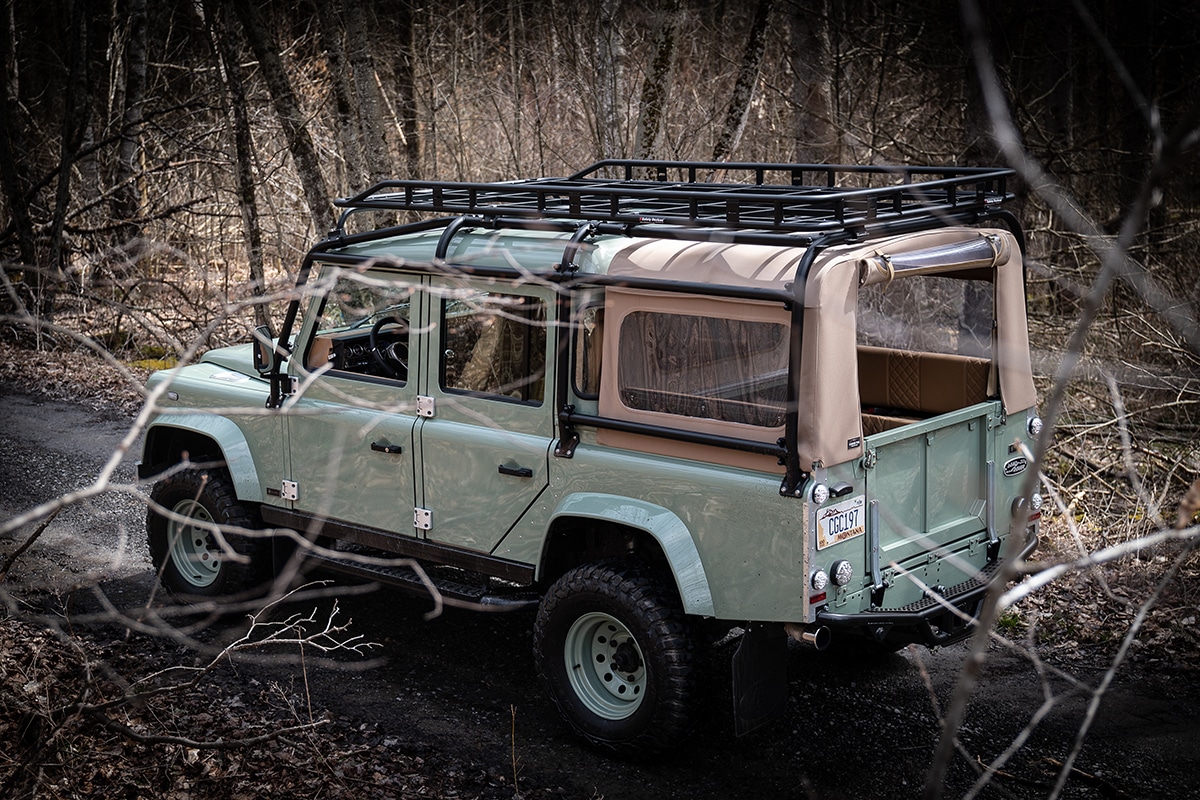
188 553
618 656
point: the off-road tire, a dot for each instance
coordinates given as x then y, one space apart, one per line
188 556
643 710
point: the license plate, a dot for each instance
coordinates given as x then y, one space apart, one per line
841 521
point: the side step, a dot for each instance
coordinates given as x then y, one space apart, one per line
478 596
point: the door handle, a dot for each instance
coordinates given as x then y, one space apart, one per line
390 449
517 472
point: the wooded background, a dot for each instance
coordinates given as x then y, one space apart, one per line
164 166
160 160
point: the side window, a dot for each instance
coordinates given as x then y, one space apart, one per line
495 344
728 370
589 338
363 328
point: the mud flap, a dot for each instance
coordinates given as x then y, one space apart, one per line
760 687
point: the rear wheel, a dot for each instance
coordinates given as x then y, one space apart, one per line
187 552
618 656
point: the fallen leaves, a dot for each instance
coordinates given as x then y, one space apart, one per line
55 753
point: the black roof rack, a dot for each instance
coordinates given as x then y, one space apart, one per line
784 198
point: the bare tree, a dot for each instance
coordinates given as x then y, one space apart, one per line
14 166
875 82
126 195
368 92
287 108
656 86
743 89
1115 261
329 29
77 107
404 64
222 43
609 55
815 140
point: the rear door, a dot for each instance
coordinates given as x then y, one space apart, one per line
927 484
487 419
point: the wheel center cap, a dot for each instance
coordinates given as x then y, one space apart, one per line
626 659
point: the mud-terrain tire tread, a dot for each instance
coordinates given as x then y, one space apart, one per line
639 598
217 494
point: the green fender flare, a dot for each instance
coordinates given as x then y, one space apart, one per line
666 528
230 440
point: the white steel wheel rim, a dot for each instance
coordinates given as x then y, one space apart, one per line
605 666
193 551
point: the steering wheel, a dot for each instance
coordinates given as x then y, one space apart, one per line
391 356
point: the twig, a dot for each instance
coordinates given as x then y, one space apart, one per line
513 739
200 744
1106 787
27 543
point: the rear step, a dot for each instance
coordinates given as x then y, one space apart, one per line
453 592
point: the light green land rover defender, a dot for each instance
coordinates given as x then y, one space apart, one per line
651 403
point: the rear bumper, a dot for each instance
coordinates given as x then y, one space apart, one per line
932 621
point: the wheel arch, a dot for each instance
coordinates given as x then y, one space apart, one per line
202 436
589 526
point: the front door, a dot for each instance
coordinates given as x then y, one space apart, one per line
350 429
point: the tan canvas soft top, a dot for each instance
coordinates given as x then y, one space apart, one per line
829 428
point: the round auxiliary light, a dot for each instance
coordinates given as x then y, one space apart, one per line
820 579
1035 502
842 571
819 493
1035 426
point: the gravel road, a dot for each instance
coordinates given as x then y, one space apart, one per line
464 683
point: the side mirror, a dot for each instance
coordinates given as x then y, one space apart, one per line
264 350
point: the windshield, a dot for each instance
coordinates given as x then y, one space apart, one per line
358 301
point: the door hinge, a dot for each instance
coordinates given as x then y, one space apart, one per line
289 490
422 519
424 406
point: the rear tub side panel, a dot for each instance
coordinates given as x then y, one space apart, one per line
747 541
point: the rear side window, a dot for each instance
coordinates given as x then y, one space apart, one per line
495 344
688 365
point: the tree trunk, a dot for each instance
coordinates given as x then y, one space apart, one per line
287 107
981 148
235 95
126 197
406 90
814 135
609 56
656 88
13 161
367 92
516 69
330 33
743 88
76 107
1135 43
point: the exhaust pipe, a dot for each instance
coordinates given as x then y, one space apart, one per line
816 636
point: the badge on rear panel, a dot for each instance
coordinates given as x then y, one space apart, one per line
1015 466
841 521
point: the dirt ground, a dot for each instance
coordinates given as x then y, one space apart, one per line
452 707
